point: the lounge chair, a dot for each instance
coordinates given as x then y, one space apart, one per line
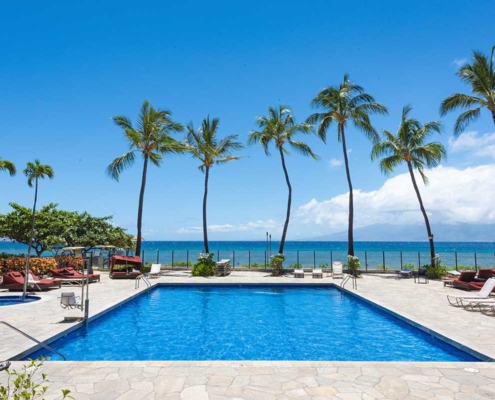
453 274
71 273
470 304
222 267
155 271
68 300
484 293
298 273
465 281
337 270
484 274
317 273
14 281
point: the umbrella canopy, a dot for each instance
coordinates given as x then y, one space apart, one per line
134 239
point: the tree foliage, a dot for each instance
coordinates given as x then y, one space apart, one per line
54 226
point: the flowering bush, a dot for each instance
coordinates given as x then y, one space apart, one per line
70 262
39 266
205 265
276 263
353 265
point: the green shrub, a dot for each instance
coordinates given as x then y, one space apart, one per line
25 385
276 264
295 265
205 265
182 263
409 266
436 272
353 264
323 265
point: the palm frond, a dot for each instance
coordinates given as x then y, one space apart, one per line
36 170
458 100
465 118
120 164
9 166
303 148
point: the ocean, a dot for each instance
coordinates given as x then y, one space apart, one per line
309 254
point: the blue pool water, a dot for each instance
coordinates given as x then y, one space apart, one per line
251 323
13 300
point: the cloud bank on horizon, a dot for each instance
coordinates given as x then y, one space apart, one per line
452 196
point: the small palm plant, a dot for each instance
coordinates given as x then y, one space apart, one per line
151 138
34 172
480 76
9 166
345 103
280 128
204 145
409 145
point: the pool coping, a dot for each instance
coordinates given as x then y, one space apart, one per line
480 356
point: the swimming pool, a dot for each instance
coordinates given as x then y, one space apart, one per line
251 323
14 300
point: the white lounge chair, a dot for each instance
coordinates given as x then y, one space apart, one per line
337 270
68 300
317 273
155 271
471 304
298 273
484 293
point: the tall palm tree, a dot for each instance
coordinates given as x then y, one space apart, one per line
480 75
151 137
409 146
205 146
34 172
280 128
9 166
341 104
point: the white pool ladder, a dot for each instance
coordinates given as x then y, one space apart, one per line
347 279
145 280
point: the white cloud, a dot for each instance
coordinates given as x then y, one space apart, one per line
459 62
250 226
452 196
479 145
335 162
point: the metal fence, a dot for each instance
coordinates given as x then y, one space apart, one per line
370 260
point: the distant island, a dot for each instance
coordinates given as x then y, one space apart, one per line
415 233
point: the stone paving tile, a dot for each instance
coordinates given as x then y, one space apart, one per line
266 379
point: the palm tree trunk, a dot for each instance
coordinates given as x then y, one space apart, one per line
427 222
140 206
205 231
289 201
350 232
24 289
493 115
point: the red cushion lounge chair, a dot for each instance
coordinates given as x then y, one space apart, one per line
125 267
71 273
14 281
484 274
43 282
464 280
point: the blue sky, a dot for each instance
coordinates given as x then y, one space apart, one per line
68 67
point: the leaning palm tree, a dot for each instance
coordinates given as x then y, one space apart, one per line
151 138
205 146
34 172
409 146
9 166
480 76
280 128
341 104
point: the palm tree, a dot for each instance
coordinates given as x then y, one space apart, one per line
204 145
480 75
409 146
9 166
34 172
280 128
152 139
344 103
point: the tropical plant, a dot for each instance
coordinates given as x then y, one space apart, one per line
151 138
9 166
205 265
54 226
280 128
276 262
479 74
28 384
34 172
345 103
353 264
204 145
409 146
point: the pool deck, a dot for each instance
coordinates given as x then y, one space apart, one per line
422 304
